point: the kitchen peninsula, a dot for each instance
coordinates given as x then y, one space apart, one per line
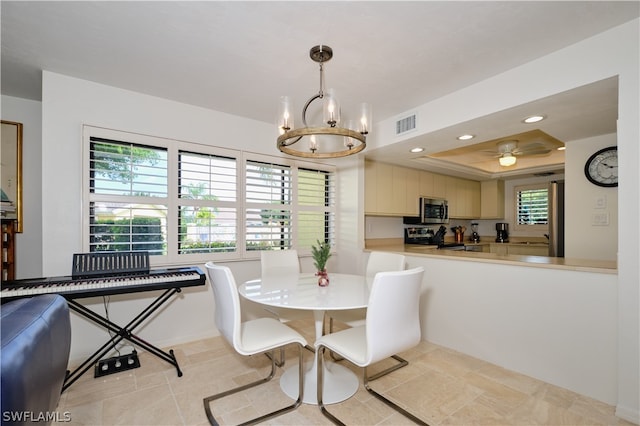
535 315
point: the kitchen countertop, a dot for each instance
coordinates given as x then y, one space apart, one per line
590 265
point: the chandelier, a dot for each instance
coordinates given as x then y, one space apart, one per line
331 140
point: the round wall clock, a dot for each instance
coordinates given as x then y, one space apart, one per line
602 167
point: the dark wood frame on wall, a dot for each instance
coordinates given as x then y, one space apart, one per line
11 171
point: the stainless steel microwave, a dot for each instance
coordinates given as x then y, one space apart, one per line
434 210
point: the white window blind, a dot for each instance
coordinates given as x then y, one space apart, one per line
532 206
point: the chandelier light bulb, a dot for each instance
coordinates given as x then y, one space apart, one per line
285 119
365 118
331 108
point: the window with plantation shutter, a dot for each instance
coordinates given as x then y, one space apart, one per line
532 205
316 207
207 208
268 196
128 189
185 202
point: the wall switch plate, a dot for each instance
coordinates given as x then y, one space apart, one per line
600 202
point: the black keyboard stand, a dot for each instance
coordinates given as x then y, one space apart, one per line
121 333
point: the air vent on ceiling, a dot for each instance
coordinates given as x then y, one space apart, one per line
406 124
542 174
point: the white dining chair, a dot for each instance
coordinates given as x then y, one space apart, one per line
392 325
378 262
251 337
282 262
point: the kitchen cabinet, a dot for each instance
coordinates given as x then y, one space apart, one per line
499 249
492 199
426 184
463 196
412 192
439 186
504 249
391 190
384 185
529 249
394 191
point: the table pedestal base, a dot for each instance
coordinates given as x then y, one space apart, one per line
340 383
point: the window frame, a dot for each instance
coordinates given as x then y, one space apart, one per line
173 200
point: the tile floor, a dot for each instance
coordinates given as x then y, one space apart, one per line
441 386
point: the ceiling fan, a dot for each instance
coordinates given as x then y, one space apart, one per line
508 150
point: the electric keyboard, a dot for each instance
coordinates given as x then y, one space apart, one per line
105 274
75 287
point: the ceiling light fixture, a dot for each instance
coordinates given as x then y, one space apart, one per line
507 159
330 141
465 137
416 150
533 119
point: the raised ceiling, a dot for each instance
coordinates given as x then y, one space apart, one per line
240 57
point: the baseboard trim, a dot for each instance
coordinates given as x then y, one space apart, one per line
628 414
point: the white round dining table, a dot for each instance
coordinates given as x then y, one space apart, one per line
301 291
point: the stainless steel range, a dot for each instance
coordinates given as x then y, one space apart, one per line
418 235
426 236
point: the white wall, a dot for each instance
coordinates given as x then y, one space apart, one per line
28 243
556 326
589 241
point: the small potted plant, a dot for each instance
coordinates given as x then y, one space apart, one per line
321 253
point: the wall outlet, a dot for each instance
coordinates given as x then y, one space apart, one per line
600 219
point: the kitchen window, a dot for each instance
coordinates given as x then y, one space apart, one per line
532 207
185 202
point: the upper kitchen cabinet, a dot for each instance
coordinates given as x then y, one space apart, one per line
394 191
492 199
391 190
463 196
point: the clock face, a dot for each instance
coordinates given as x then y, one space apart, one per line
602 167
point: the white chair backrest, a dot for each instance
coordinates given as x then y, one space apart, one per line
227 302
393 319
279 262
382 262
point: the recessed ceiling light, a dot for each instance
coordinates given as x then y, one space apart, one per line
417 149
562 148
465 137
533 119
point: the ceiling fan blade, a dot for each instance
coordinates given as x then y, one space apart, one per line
537 151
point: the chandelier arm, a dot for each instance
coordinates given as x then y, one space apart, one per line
306 106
